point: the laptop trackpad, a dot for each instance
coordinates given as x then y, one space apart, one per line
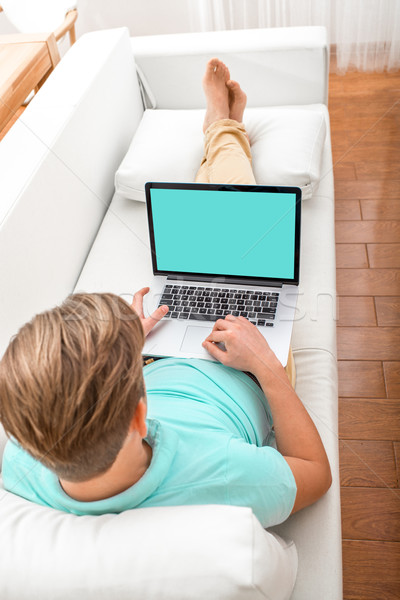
194 337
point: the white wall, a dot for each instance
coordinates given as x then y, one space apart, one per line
5 25
142 17
146 17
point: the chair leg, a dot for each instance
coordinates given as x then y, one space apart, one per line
72 35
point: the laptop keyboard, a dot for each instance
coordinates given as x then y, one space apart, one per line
209 304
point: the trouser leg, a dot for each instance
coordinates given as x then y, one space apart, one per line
227 156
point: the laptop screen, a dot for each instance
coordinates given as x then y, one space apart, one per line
249 232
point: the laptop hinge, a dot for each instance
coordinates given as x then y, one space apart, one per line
225 280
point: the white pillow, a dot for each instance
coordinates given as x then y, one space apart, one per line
286 144
167 146
169 553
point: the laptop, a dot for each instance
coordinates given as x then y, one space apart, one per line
221 249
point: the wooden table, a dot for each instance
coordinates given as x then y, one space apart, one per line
26 60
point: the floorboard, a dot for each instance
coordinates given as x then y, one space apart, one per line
352 256
388 310
392 378
351 232
384 256
366 463
396 448
370 513
347 210
370 190
371 570
376 169
379 209
369 419
368 343
368 282
360 379
359 311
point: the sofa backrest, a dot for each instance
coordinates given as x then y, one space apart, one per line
57 166
277 66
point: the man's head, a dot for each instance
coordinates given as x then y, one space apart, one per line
70 382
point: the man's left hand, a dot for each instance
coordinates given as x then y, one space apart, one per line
147 322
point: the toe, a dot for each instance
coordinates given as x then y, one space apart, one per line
212 65
215 65
234 87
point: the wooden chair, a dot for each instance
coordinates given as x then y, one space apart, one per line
68 25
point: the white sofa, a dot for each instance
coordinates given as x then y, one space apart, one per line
62 228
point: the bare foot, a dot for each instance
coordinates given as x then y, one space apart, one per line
237 101
216 92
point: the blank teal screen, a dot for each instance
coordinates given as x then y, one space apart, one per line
219 232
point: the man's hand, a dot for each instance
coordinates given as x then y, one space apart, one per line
245 348
147 322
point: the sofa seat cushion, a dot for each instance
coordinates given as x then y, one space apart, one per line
317 528
286 142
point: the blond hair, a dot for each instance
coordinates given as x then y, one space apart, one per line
70 381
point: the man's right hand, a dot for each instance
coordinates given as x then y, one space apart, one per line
245 348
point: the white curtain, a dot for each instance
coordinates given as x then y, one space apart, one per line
365 33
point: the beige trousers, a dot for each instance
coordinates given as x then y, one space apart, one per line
227 159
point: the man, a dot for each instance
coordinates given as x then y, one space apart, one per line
93 432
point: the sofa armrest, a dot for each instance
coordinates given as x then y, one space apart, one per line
171 552
279 66
57 166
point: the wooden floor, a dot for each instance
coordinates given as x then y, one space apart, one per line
365 124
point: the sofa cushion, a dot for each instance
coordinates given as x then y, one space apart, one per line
286 144
316 530
193 550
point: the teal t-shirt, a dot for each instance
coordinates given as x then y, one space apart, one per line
210 430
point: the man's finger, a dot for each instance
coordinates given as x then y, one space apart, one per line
221 325
159 313
140 293
230 318
216 336
137 301
214 351
243 319
154 318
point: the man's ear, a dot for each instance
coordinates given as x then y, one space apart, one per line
138 421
